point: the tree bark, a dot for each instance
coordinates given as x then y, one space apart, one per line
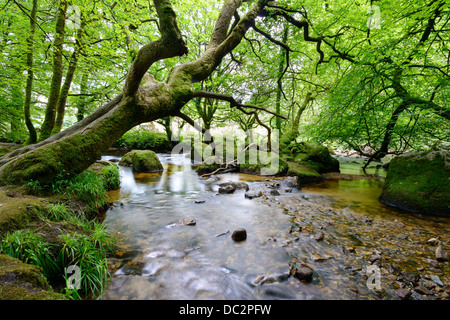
81 103
62 100
32 138
50 111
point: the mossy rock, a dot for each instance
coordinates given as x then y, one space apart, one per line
21 281
146 161
17 211
127 159
419 182
142 161
304 172
261 163
317 157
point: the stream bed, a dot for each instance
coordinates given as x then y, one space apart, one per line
174 240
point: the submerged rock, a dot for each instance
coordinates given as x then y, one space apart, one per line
419 182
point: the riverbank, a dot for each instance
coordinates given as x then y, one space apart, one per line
46 229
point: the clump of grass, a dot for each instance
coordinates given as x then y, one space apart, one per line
90 257
57 212
88 187
111 177
29 247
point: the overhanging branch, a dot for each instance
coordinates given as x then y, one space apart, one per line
232 101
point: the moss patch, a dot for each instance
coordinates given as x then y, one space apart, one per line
419 182
21 281
16 211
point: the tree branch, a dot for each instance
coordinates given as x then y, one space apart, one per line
170 44
232 101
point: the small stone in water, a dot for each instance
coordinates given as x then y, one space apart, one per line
274 192
188 222
227 189
403 293
437 280
304 274
318 236
239 234
253 194
441 254
199 201
435 264
422 290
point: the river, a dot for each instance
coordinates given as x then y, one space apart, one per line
336 228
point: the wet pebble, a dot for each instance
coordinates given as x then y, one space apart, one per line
319 236
403 293
304 274
253 194
227 189
187 222
274 192
441 254
422 290
239 234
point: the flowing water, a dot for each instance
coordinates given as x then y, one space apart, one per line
159 257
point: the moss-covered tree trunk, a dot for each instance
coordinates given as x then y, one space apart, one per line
77 147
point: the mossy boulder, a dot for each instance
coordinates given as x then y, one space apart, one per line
317 157
142 161
127 159
261 163
419 182
21 281
304 172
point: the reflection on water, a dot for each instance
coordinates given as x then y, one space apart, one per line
159 258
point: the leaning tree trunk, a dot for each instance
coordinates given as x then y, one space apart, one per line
73 150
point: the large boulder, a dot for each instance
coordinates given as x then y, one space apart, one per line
419 182
142 161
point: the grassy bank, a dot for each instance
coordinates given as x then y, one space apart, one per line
53 227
